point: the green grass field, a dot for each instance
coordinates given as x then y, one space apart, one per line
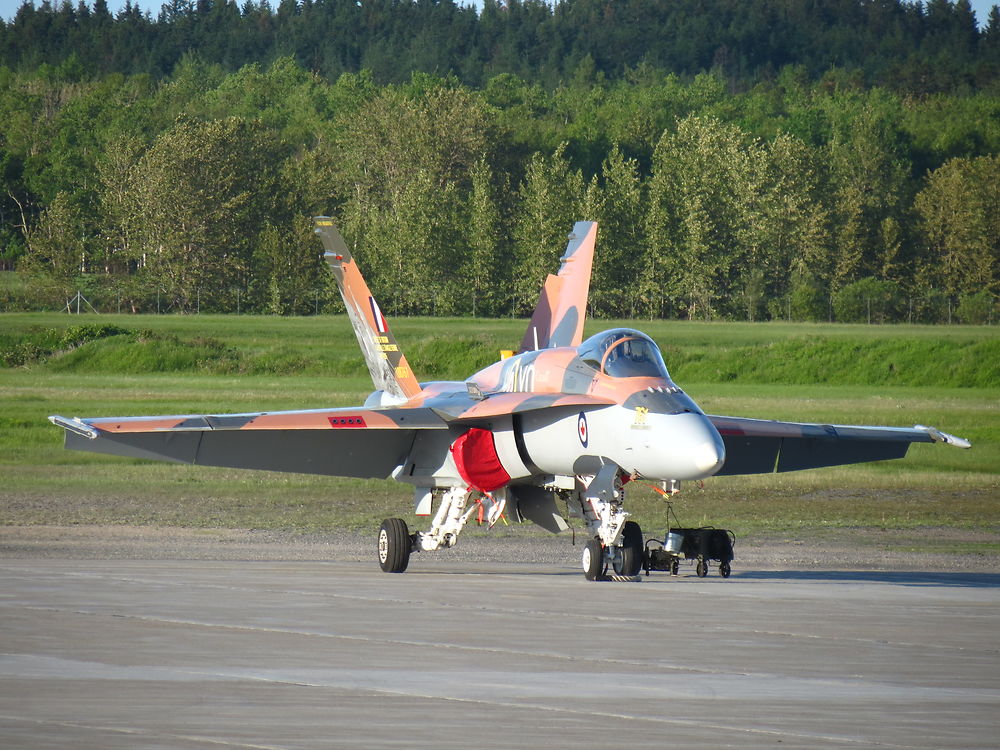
946 377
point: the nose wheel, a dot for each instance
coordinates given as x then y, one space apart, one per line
629 561
593 560
626 559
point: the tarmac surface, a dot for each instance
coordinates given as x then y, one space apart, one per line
105 653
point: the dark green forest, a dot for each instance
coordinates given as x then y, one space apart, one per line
803 159
914 47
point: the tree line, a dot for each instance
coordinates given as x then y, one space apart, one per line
798 198
916 47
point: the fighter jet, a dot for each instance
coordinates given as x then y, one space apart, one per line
557 429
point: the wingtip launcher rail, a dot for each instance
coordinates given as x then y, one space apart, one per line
943 437
76 425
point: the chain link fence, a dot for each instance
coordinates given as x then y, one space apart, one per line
931 307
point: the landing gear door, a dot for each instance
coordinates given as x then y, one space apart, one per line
538 506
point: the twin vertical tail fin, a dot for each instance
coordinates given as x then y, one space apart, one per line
388 367
562 307
557 320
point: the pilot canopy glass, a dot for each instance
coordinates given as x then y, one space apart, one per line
624 353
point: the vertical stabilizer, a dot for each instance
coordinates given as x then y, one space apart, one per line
388 367
562 307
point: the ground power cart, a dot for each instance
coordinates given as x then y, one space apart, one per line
703 545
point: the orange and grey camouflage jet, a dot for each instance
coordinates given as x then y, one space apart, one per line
564 423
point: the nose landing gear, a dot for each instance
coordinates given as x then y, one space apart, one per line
616 541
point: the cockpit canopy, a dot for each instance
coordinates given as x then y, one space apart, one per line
623 353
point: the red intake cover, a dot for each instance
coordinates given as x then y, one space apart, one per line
477 461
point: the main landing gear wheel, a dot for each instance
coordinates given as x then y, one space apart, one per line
394 545
725 570
701 569
593 559
629 563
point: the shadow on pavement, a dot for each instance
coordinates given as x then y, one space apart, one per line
896 577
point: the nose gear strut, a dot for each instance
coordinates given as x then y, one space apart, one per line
615 539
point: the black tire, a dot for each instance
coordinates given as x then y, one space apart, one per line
725 570
394 545
675 567
629 563
701 569
593 560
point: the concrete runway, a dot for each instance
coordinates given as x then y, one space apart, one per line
202 654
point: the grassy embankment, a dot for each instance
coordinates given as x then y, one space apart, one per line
946 377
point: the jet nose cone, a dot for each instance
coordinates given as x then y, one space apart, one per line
678 446
710 455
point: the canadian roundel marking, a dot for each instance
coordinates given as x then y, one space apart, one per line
581 429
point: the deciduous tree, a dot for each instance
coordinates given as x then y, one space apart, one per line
959 211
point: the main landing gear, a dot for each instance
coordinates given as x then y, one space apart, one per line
615 542
395 542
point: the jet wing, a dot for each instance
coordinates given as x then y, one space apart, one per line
366 443
760 446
